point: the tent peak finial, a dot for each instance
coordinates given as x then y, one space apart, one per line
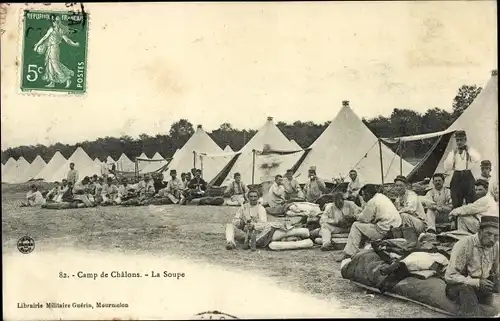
494 72
199 126
345 103
270 118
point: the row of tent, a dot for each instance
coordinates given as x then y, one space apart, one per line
344 145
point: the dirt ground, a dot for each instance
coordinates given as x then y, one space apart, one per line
192 232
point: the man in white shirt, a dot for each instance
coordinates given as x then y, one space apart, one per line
460 161
337 218
469 216
353 187
33 197
249 215
236 191
409 206
437 201
379 215
80 192
277 194
473 273
73 177
486 175
174 187
52 194
252 215
292 187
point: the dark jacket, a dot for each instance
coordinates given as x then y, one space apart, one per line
195 182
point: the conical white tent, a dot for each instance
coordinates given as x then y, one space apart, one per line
142 165
97 161
110 160
56 162
83 164
348 144
228 149
11 163
15 174
191 155
124 164
297 146
36 166
480 122
154 166
266 167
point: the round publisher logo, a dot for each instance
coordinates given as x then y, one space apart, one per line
213 315
26 245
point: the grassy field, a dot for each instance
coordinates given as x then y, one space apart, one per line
194 232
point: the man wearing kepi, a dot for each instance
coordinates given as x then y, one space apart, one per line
249 215
486 175
379 215
473 272
469 215
409 206
460 161
315 187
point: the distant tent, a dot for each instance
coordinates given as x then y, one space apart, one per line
297 146
480 122
9 166
36 166
348 144
228 149
142 165
267 137
124 164
110 160
97 161
83 164
15 174
56 162
200 152
154 166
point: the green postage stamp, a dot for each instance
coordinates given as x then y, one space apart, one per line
54 56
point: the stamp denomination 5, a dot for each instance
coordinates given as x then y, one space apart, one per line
54 54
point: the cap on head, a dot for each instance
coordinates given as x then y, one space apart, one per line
312 169
173 171
460 134
400 178
485 163
489 221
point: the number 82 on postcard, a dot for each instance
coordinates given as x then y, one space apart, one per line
54 56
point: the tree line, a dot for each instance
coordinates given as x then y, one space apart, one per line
401 122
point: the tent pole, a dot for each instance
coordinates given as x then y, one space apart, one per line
400 158
201 165
136 169
253 167
381 163
194 159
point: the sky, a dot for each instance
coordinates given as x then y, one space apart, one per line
150 64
